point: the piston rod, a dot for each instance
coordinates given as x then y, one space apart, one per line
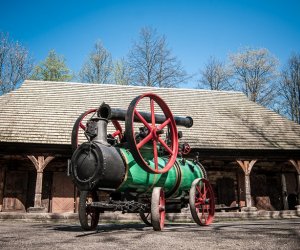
105 111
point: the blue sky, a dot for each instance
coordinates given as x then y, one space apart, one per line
195 30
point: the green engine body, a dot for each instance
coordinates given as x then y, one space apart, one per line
99 166
177 180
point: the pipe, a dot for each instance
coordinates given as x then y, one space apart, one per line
106 112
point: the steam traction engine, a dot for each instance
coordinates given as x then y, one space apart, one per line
142 170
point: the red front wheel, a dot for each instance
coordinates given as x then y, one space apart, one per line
158 209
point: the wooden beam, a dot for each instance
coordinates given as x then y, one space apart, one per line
284 192
296 164
247 167
2 174
39 163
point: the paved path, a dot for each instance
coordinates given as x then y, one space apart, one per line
268 234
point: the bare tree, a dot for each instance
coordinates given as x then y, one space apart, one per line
290 87
152 63
215 75
15 64
256 72
121 72
98 67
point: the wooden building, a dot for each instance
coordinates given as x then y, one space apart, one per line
252 155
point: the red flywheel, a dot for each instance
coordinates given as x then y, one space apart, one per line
154 136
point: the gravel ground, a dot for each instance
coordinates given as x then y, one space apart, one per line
267 234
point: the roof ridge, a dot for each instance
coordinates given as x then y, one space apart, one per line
133 86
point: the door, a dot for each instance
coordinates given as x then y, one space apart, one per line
226 191
62 193
15 192
46 193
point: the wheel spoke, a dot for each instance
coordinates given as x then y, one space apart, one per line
144 141
82 126
165 146
207 208
116 133
204 214
152 112
204 191
165 123
199 191
198 203
142 119
155 155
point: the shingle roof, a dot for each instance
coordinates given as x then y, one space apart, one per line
44 112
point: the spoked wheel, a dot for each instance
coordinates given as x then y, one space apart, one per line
153 136
79 124
88 216
202 202
158 211
146 218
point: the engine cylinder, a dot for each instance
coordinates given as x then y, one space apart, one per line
94 166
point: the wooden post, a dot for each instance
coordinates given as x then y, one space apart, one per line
2 174
238 189
296 164
39 163
247 167
284 192
298 186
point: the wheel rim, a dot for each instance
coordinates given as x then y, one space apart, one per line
118 131
202 202
79 124
146 218
153 135
158 211
162 210
88 216
91 213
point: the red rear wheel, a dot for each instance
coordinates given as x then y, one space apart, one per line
146 218
202 202
153 137
79 124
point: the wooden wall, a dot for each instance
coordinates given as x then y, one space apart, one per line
18 185
18 178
